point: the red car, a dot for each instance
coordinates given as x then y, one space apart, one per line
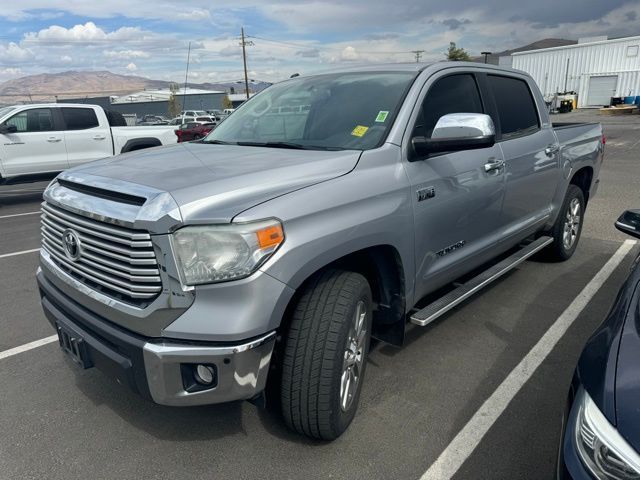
193 131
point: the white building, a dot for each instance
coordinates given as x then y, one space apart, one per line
595 68
161 95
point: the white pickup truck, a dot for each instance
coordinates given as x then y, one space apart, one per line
38 140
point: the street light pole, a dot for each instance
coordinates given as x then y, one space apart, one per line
486 54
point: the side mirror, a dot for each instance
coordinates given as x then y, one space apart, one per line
4 128
629 223
457 131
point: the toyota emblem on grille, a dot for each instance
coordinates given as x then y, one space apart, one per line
71 244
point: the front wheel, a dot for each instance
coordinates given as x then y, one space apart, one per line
568 227
325 354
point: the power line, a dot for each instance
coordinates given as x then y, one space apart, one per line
316 47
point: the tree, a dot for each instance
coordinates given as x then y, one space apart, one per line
456 54
226 102
174 105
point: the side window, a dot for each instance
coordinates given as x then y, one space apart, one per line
451 94
79 118
35 120
516 107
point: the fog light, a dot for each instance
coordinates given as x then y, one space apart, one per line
205 374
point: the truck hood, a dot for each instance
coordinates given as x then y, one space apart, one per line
213 183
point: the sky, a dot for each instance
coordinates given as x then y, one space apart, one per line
151 38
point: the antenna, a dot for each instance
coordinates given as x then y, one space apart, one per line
186 76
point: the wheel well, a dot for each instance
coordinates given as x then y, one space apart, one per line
582 178
382 267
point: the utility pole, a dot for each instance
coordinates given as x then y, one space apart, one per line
186 76
244 44
418 54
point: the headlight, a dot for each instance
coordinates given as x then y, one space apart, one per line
218 253
602 449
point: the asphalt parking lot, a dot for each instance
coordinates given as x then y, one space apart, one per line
62 423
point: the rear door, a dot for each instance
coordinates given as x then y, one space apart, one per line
531 153
86 139
456 203
38 146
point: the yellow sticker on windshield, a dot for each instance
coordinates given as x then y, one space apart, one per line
359 131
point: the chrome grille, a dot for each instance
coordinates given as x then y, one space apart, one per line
117 261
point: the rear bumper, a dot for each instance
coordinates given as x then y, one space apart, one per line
159 369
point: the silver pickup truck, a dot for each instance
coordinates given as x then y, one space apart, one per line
325 211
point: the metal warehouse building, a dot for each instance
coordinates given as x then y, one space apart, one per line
595 68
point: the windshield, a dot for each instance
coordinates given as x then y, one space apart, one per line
335 111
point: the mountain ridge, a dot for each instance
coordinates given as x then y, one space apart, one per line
47 87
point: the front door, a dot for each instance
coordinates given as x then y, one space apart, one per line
456 203
38 145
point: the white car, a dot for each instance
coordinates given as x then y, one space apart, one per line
194 113
48 138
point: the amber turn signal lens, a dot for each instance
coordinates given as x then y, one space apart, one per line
270 236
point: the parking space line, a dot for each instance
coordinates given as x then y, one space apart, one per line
28 346
18 215
467 439
4 255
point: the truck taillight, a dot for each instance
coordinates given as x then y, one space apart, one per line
604 140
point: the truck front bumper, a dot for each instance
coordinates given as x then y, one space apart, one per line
162 370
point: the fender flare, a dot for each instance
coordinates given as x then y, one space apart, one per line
140 143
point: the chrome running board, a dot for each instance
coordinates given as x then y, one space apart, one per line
445 303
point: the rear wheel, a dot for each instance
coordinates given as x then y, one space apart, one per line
325 354
568 227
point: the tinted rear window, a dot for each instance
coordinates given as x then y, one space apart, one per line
516 108
79 118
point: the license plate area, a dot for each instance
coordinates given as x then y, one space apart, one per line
74 346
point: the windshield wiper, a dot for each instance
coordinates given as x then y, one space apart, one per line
217 142
293 146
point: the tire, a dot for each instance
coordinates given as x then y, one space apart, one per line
321 346
568 227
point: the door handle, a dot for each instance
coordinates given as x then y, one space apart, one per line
551 150
99 137
54 139
493 164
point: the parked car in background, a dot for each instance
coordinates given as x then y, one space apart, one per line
194 113
181 120
42 139
228 111
153 120
273 250
214 112
601 434
193 131
186 119
206 119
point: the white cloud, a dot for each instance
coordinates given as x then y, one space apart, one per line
14 53
66 59
11 71
349 54
89 32
126 54
197 14
132 67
